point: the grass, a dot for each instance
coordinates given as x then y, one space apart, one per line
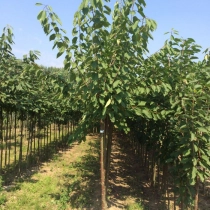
2 195
135 206
68 181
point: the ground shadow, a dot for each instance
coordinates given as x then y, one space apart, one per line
24 169
128 181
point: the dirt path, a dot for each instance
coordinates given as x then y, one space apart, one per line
127 180
129 186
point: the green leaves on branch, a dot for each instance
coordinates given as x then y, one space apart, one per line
50 23
163 97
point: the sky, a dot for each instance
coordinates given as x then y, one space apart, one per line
190 17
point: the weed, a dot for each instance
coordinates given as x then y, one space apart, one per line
64 199
1 181
135 206
2 196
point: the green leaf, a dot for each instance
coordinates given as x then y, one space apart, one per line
108 10
85 10
94 64
52 37
147 113
202 129
206 158
200 176
195 162
116 83
187 152
74 40
41 16
192 136
135 25
108 102
104 111
38 4
59 54
142 103
195 147
142 2
57 18
194 172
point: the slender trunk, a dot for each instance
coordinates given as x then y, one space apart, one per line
165 172
44 144
1 139
158 175
21 143
15 136
174 186
50 133
109 146
59 134
154 175
10 136
196 194
103 190
34 135
47 139
38 138
105 144
6 139
68 127
29 137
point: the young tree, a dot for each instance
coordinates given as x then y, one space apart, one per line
103 59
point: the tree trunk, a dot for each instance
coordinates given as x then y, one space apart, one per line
1 139
196 194
103 190
109 146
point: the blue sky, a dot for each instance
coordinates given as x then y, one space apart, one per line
190 17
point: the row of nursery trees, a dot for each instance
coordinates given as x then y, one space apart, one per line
160 101
35 111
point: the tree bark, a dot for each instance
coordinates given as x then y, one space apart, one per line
108 150
103 188
196 194
1 138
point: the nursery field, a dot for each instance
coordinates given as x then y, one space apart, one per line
71 180
151 114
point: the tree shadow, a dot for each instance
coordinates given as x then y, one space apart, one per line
128 181
29 165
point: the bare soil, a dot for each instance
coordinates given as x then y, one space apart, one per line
129 182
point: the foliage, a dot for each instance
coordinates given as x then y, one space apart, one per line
27 87
102 59
135 206
168 92
181 139
163 98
